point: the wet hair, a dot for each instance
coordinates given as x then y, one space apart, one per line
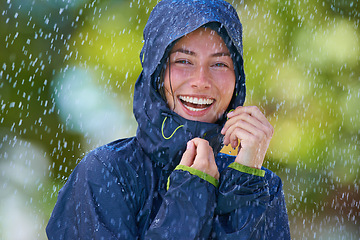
160 80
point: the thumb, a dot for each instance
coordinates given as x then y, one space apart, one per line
189 155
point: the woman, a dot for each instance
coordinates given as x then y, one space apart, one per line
170 181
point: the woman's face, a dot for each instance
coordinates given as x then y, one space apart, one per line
202 76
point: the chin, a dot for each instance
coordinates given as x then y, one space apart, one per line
207 119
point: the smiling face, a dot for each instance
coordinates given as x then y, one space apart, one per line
202 76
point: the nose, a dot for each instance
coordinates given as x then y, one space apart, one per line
201 79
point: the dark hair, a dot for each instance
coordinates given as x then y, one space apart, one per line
161 79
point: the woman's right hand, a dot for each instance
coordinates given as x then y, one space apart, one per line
199 155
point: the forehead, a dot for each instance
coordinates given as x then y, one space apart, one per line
202 38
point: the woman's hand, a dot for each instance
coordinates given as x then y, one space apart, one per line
253 130
199 155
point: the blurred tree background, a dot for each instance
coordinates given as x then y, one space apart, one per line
67 72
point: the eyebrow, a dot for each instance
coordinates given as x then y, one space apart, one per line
188 52
185 51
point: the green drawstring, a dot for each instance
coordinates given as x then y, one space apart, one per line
162 130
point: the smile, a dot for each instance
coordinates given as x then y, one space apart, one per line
196 104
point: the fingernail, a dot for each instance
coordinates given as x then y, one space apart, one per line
230 114
187 145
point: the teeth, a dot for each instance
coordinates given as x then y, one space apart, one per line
195 100
194 109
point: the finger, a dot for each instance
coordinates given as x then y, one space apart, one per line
211 156
213 167
239 135
260 131
253 111
250 152
231 125
239 117
189 154
248 122
202 148
253 147
205 160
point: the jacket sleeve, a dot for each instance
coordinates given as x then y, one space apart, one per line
187 209
277 223
251 205
242 203
93 204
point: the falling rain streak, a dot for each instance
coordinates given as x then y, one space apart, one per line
67 75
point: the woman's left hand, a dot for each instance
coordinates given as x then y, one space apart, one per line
249 126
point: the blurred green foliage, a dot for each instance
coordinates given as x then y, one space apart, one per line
302 69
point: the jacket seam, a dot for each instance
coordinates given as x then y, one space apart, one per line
210 179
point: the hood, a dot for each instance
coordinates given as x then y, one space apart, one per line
161 132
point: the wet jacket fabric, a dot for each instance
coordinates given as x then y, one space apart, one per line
133 188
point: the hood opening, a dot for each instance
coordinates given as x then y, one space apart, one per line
159 73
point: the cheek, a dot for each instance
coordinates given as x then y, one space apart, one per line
230 87
227 94
227 91
176 81
179 74
226 83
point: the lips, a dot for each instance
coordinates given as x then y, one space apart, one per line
196 104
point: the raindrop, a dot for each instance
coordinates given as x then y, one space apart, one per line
67 78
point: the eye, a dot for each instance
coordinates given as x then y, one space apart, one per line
220 64
183 61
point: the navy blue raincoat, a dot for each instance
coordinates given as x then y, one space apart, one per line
134 189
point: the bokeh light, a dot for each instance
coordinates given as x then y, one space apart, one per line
67 74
